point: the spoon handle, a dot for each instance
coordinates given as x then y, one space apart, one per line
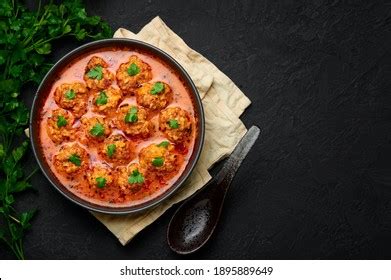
232 164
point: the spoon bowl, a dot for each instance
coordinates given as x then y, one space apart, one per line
192 227
195 220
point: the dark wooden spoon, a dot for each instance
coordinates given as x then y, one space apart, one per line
195 220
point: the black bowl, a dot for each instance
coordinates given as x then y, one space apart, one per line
44 89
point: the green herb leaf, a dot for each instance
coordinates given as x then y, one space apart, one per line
9 199
43 49
2 151
95 73
81 34
75 159
157 88
97 130
173 124
136 177
70 94
133 69
110 150
61 121
101 182
18 152
102 98
16 232
20 115
132 116
164 144
158 161
19 186
25 218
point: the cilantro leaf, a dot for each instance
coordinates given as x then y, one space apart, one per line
158 161
110 150
157 88
132 115
97 130
173 124
70 94
43 49
20 186
163 144
18 152
136 177
95 73
61 121
100 182
102 98
75 159
133 69
25 218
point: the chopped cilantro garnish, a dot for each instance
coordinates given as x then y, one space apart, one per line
133 69
157 88
163 144
75 159
110 150
158 161
173 124
97 130
100 182
131 116
101 99
70 94
95 73
136 177
61 121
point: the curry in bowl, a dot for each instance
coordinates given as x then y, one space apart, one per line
117 126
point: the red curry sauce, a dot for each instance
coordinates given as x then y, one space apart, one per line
88 172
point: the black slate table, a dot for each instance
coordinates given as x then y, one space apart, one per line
318 182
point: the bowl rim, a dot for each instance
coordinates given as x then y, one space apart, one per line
197 104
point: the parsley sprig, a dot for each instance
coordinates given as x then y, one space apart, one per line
26 38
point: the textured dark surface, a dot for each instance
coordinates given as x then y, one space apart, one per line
318 182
